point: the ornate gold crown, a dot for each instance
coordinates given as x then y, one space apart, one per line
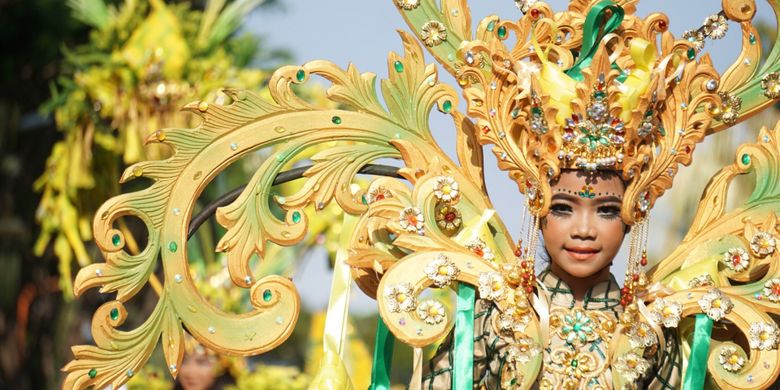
588 89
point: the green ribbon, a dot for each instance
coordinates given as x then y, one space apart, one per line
463 370
697 363
597 25
383 357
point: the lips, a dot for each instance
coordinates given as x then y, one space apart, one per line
581 252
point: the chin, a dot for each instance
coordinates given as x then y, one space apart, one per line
582 270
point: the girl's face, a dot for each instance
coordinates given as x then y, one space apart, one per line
197 372
583 231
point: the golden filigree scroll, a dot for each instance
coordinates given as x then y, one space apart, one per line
365 131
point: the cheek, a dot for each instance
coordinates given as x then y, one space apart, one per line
554 229
612 233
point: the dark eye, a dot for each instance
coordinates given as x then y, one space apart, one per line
609 211
560 209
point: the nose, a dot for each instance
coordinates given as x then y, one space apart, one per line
583 227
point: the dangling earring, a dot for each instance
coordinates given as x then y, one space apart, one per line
637 260
528 256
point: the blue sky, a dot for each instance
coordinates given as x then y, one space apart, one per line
363 32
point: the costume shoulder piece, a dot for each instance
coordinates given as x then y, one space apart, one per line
594 87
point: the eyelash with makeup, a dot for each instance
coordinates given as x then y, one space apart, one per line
610 212
562 209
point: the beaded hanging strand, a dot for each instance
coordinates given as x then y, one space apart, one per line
632 275
527 266
523 233
637 260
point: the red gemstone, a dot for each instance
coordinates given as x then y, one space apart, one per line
635 277
662 25
524 264
478 251
535 13
776 289
450 216
644 261
629 298
736 259
529 289
624 290
379 197
485 130
687 149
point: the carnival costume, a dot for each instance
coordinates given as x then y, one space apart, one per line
591 88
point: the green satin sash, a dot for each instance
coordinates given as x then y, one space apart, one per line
697 363
463 369
593 33
383 357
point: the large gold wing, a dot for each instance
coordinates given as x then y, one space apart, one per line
734 252
400 227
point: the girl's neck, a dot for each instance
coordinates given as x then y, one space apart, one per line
580 286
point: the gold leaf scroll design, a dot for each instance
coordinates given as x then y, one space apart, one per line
382 217
743 77
685 110
411 330
712 223
472 204
371 250
127 274
410 97
742 315
122 272
453 14
118 355
469 151
481 100
411 269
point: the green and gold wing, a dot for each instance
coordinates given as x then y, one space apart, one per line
401 227
729 257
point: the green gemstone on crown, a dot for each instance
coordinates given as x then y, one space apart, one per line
172 246
447 106
267 295
746 159
296 216
92 373
691 54
114 314
491 26
300 76
116 239
336 120
501 32
399 66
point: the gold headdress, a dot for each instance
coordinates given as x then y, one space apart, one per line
623 104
